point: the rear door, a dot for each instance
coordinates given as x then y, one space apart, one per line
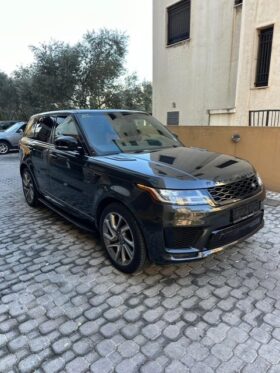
39 149
71 183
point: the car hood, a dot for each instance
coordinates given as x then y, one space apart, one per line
181 168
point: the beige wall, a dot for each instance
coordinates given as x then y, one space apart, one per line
215 70
257 14
198 74
261 146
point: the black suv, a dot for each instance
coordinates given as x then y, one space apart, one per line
124 174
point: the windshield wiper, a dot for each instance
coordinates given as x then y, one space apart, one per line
115 141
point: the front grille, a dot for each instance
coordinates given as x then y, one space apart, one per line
180 238
238 190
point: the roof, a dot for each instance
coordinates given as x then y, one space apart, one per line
77 111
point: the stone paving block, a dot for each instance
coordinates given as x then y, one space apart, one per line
201 367
128 349
222 352
28 326
54 365
82 347
106 347
78 365
29 363
175 350
61 345
218 333
176 366
151 367
7 362
247 351
103 365
38 344
270 353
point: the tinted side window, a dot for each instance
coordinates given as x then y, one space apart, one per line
66 126
22 128
44 128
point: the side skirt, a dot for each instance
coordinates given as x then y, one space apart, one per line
86 226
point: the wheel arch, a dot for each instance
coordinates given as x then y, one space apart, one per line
103 204
106 202
6 142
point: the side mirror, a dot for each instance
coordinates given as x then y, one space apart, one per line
20 131
66 143
175 134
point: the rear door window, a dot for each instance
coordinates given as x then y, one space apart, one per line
43 128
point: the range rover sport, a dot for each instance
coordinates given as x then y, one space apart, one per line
124 174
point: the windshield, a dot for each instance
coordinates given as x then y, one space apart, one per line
117 132
14 127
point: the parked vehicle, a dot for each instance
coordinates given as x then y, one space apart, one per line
9 139
124 174
5 124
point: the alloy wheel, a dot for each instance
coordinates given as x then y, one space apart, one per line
4 148
118 238
28 187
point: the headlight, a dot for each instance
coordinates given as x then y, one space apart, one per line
178 197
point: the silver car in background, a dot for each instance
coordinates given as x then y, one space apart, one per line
9 139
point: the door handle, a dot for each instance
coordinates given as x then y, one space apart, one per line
54 156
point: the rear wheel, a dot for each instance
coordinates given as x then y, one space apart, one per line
4 147
29 188
122 238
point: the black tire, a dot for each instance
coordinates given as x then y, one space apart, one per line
126 247
29 188
4 147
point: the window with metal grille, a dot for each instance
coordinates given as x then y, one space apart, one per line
264 56
179 16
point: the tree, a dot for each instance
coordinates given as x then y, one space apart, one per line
131 95
89 74
136 95
56 74
8 97
28 101
102 58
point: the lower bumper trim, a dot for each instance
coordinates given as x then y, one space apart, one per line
191 254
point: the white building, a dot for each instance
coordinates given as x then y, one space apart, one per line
215 61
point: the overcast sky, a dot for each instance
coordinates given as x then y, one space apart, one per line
29 22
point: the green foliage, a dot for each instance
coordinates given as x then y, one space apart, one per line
89 74
102 59
55 74
8 102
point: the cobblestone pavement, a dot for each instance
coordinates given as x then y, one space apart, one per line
64 308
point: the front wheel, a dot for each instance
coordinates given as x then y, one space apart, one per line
29 188
4 147
122 238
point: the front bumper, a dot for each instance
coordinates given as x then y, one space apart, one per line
203 230
219 240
